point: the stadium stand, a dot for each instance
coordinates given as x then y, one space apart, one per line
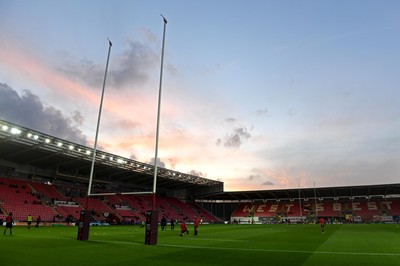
18 197
24 197
71 211
47 176
49 191
364 209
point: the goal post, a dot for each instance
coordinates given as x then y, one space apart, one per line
84 218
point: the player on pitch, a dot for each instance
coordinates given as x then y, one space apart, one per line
184 229
322 223
196 223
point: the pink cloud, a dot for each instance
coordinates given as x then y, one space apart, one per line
32 71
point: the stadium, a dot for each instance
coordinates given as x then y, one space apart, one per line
42 175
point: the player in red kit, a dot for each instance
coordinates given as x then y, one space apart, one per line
322 223
9 223
196 223
184 229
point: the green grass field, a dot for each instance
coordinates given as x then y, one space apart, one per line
369 244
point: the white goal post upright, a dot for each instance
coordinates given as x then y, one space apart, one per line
84 219
97 127
315 199
300 209
158 117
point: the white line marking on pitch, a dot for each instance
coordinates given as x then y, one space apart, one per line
221 240
264 250
245 249
288 251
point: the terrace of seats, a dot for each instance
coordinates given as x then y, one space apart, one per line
138 205
24 197
394 207
66 211
123 209
18 197
49 191
363 208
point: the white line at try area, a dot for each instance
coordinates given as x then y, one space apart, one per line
246 249
265 250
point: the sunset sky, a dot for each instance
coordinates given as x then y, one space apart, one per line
259 94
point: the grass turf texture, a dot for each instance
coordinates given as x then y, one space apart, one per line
365 244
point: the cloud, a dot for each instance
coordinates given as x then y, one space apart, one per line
84 71
268 183
292 111
131 68
171 69
133 157
197 173
159 162
263 111
237 135
148 35
77 117
255 177
269 177
27 110
252 177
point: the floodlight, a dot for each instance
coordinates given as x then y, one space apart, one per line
15 131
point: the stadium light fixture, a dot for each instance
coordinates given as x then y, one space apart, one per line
79 150
15 131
